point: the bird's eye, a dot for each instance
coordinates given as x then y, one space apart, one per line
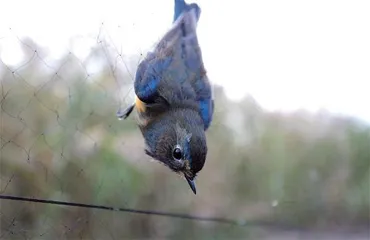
177 153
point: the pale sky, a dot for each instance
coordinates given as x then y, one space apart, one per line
287 54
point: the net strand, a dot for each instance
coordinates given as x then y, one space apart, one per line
120 209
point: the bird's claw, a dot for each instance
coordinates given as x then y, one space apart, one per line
126 113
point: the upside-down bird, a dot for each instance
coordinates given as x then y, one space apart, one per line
174 99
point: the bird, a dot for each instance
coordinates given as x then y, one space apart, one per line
174 97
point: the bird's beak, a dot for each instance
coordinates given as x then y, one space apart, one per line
191 184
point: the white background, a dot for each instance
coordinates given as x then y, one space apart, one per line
287 54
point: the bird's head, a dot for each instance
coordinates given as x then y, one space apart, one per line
180 146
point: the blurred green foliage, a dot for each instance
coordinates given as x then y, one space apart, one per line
60 139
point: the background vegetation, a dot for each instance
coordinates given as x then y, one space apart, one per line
60 139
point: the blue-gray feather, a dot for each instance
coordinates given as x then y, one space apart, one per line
174 71
173 84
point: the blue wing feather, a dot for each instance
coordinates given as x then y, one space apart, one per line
148 77
206 109
205 101
184 65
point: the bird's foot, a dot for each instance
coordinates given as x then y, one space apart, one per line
125 113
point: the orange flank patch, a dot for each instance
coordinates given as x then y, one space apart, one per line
140 106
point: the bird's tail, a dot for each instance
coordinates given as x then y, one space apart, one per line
181 6
182 33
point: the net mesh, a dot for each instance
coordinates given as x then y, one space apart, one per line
61 140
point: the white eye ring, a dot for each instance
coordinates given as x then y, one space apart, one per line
177 153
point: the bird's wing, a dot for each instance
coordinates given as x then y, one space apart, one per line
151 70
175 69
192 60
149 75
162 62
